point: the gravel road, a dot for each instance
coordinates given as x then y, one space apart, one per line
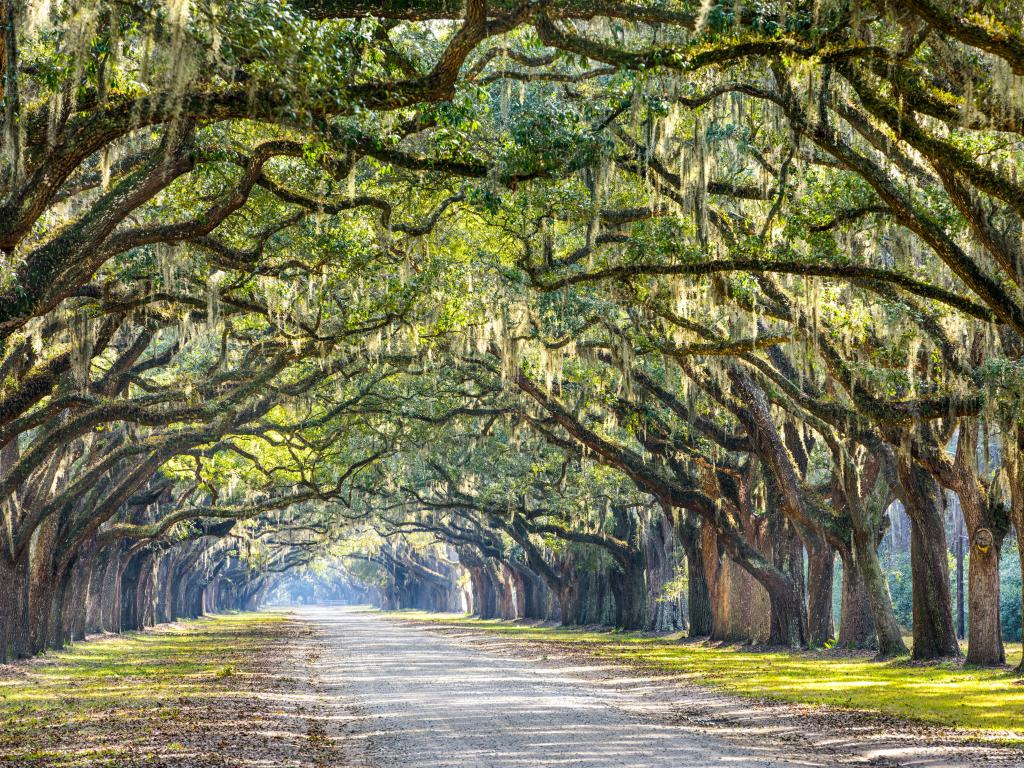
418 698
432 703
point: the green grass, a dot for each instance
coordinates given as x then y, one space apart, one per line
987 702
88 704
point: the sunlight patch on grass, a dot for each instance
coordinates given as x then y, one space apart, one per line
102 694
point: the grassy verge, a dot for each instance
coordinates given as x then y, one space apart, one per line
989 703
138 699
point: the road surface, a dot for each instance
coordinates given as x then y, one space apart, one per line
419 699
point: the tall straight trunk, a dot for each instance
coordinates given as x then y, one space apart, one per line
787 596
1020 553
661 552
629 588
788 616
698 598
934 633
8 608
820 569
110 610
934 636
14 618
59 626
887 629
856 622
987 532
568 602
42 585
168 583
531 587
94 603
80 601
958 536
984 633
129 579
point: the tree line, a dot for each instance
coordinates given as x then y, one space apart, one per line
637 313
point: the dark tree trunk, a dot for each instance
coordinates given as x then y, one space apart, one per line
14 609
43 586
788 617
82 593
168 585
58 625
129 597
698 598
787 597
567 597
629 588
820 569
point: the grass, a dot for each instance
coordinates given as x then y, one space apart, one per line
987 702
100 701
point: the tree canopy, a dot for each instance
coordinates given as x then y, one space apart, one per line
671 297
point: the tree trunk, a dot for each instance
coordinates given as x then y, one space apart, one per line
887 629
14 609
58 625
629 588
958 537
984 633
41 585
1020 553
82 593
856 623
788 616
820 567
94 605
568 595
666 612
698 598
934 634
110 608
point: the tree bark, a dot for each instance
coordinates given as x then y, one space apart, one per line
887 629
985 637
933 631
698 598
820 570
856 622
14 609
42 586
629 588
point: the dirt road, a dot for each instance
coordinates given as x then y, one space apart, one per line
421 699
